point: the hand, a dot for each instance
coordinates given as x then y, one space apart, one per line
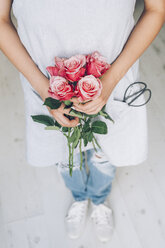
58 114
94 106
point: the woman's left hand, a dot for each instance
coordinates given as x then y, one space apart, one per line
94 106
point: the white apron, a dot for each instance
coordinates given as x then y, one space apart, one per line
49 28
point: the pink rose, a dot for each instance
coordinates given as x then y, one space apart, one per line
97 65
60 89
88 88
74 67
58 69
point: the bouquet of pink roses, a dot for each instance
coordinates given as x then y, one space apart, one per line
77 76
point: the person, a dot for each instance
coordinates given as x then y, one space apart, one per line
64 28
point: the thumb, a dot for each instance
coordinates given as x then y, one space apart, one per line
64 110
75 100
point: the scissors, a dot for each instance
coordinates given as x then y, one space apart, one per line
130 98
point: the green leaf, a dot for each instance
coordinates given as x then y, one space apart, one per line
64 129
57 124
102 113
52 103
95 140
94 115
52 128
76 141
86 127
44 119
68 103
106 115
85 139
74 138
103 108
90 137
99 127
76 113
88 121
86 134
73 135
109 118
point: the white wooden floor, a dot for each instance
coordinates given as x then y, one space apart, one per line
34 201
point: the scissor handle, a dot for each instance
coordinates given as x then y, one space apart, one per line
136 94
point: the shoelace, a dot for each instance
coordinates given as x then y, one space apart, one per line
101 215
76 211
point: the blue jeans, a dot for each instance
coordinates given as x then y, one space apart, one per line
94 181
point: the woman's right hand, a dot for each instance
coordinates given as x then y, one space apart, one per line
58 114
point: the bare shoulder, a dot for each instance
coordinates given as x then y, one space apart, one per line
5 8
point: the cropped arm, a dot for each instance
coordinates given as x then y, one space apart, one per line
12 47
142 35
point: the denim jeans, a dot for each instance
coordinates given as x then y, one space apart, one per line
94 181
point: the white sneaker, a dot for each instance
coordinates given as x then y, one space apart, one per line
76 218
102 218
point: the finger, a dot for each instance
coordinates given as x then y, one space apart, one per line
63 110
71 123
77 101
60 122
59 118
67 112
91 109
74 122
95 109
86 106
66 122
74 100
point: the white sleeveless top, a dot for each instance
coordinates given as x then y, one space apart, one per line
49 28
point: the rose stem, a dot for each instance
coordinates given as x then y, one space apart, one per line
72 155
69 129
96 142
80 153
94 145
